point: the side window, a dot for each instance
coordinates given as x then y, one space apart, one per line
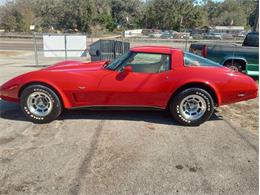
148 62
195 60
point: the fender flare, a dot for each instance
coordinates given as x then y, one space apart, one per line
233 58
64 99
204 84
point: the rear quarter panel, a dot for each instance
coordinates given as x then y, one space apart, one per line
215 77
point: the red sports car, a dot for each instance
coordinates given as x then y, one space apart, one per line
154 77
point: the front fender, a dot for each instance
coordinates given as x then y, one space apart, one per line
37 77
64 98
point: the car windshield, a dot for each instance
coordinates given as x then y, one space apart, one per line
191 59
114 64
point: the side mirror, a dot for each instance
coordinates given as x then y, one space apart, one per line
128 69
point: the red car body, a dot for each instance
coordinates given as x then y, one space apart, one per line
81 84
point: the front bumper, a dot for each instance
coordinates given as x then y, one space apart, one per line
9 92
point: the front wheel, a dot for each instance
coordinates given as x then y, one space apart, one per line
40 103
192 106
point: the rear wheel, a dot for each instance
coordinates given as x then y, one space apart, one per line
192 106
40 103
234 65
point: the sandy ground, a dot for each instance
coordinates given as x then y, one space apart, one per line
243 114
10 53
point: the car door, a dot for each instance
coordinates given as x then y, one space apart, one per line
147 85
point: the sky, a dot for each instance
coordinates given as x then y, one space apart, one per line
2 2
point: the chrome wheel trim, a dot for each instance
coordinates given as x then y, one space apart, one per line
233 67
193 107
39 104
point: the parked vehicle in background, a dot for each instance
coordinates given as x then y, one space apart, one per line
241 34
243 58
166 35
186 36
182 35
197 36
226 36
155 35
217 36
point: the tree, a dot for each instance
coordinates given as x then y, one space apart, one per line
103 15
17 16
25 15
8 20
229 12
49 13
253 19
127 13
173 14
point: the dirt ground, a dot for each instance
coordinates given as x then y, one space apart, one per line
9 53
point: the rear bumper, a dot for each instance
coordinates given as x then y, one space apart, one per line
252 70
252 73
236 96
240 88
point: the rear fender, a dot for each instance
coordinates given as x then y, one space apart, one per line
200 84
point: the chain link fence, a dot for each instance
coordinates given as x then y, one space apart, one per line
94 48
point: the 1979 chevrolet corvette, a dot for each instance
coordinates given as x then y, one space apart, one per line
154 77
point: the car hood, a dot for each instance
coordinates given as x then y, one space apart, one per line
77 66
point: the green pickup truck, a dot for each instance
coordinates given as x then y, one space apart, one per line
243 58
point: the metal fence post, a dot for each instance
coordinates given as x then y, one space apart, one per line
114 49
100 49
35 49
65 42
186 44
123 47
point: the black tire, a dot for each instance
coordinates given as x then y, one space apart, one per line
55 110
176 102
234 65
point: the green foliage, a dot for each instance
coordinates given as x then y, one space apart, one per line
17 16
173 14
229 12
106 15
105 20
8 20
127 14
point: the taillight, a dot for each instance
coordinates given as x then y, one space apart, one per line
204 51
